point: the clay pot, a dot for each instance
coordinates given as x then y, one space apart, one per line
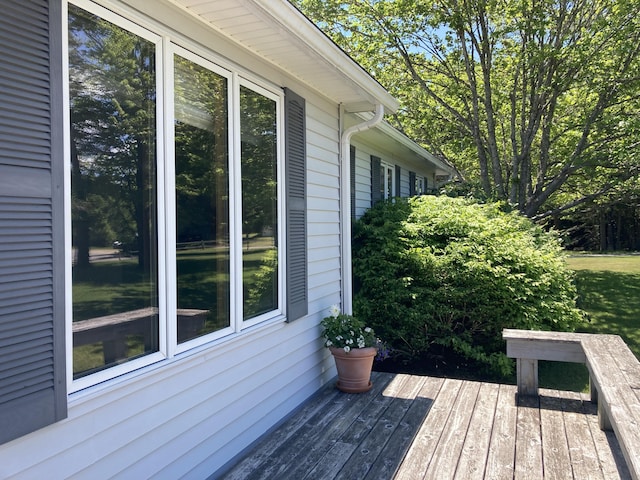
354 368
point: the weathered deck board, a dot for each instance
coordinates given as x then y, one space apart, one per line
582 450
413 427
426 441
445 457
528 463
556 460
501 460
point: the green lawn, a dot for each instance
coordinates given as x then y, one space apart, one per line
119 285
609 291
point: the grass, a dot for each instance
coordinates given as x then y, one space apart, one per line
119 285
609 292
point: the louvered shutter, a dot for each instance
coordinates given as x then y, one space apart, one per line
376 190
32 352
296 188
412 184
398 185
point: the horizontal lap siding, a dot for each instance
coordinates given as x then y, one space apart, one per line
323 201
190 416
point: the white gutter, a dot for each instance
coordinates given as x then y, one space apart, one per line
345 204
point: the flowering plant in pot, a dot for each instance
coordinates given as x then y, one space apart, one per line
353 346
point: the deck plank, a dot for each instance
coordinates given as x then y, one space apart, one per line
610 454
528 440
422 449
556 460
473 459
584 458
387 464
360 462
336 457
501 458
445 458
415 427
301 446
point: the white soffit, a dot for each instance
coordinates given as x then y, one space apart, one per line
277 32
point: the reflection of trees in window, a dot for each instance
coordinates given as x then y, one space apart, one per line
112 96
259 201
112 110
202 208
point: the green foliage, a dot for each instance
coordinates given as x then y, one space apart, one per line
346 331
536 101
446 271
259 297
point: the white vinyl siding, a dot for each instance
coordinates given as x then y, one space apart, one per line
364 152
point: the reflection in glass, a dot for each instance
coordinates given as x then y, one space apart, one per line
202 209
113 205
259 203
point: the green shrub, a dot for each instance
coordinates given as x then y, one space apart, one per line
444 271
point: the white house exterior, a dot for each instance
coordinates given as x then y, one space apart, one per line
387 164
241 108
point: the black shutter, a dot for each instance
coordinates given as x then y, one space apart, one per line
32 351
352 180
376 188
412 184
296 187
398 172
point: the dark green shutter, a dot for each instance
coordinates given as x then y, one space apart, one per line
398 174
32 351
296 200
376 187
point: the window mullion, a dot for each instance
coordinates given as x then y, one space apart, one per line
235 203
169 287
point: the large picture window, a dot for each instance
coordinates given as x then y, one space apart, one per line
176 212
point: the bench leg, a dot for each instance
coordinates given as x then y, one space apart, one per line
603 419
114 350
527 374
593 390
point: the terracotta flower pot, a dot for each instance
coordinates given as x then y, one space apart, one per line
354 368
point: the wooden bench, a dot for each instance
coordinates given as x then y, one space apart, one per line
614 375
113 330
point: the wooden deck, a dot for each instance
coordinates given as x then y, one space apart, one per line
413 427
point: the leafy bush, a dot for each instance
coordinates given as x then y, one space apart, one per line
445 271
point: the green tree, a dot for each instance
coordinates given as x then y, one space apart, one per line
113 114
533 99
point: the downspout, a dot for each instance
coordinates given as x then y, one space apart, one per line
345 203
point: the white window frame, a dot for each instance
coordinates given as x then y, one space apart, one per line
420 185
278 98
388 178
236 76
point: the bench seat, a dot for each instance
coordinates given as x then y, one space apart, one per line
614 373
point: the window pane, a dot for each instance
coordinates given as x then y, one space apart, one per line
202 207
114 237
259 203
